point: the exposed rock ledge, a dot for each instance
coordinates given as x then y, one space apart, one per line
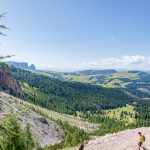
8 83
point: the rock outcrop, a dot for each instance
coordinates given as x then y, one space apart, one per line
7 82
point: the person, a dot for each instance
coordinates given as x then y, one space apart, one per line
141 140
81 146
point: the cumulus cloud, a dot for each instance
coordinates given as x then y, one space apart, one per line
124 62
132 62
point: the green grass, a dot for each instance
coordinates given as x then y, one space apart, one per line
72 120
128 115
116 82
116 113
77 78
112 81
125 75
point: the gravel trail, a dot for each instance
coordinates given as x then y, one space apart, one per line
125 140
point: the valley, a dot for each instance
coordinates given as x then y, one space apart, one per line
74 75
63 114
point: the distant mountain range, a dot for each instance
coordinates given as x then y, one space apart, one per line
21 65
95 72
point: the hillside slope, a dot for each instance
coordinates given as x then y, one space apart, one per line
44 130
66 97
125 140
135 82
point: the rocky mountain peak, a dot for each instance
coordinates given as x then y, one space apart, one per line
21 65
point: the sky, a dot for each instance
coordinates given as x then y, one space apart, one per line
77 34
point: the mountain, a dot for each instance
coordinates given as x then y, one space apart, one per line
94 72
125 140
21 65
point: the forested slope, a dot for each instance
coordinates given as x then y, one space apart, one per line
69 97
134 82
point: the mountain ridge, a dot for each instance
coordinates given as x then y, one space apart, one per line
95 72
21 65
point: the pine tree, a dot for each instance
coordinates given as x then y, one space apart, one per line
1 33
28 138
13 137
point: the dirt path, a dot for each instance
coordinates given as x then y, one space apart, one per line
125 140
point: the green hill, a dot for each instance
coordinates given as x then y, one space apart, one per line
134 82
69 97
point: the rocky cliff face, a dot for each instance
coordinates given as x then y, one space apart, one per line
21 65
7 82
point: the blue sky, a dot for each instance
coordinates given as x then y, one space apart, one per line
78 33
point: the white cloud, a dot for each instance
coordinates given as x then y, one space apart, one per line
131 62
124 62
